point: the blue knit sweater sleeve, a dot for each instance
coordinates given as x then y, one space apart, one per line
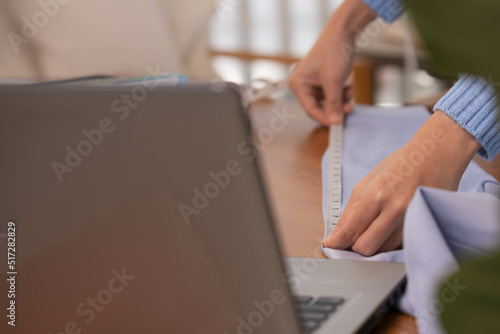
388 10
473 104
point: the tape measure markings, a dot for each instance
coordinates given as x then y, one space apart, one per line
334 179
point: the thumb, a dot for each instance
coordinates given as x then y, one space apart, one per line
334 102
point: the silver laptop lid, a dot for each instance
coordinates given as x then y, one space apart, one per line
137 211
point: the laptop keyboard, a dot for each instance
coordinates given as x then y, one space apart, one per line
312 312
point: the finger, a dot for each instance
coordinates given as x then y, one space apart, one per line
378 232
348 96
357 216
395 241
349 207
307 96
348 108
348 93
334 101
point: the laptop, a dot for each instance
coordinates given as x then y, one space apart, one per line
142 209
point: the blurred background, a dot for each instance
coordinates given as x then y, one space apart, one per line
236 40
261 38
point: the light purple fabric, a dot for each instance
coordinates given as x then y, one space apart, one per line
441 227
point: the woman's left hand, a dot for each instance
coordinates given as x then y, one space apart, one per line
436 156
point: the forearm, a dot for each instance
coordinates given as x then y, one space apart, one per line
350 19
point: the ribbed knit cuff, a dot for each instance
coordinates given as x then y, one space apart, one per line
388 10
473 104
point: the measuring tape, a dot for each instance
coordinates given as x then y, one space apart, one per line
334 178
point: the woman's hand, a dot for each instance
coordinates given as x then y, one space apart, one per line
319 79
436 156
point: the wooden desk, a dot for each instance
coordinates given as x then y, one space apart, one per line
291 164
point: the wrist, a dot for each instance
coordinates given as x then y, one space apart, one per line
450 142
460 141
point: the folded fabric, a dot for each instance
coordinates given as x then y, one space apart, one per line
441 227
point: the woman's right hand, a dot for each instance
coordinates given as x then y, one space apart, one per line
319 79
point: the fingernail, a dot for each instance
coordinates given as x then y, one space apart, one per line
323 243
334 118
